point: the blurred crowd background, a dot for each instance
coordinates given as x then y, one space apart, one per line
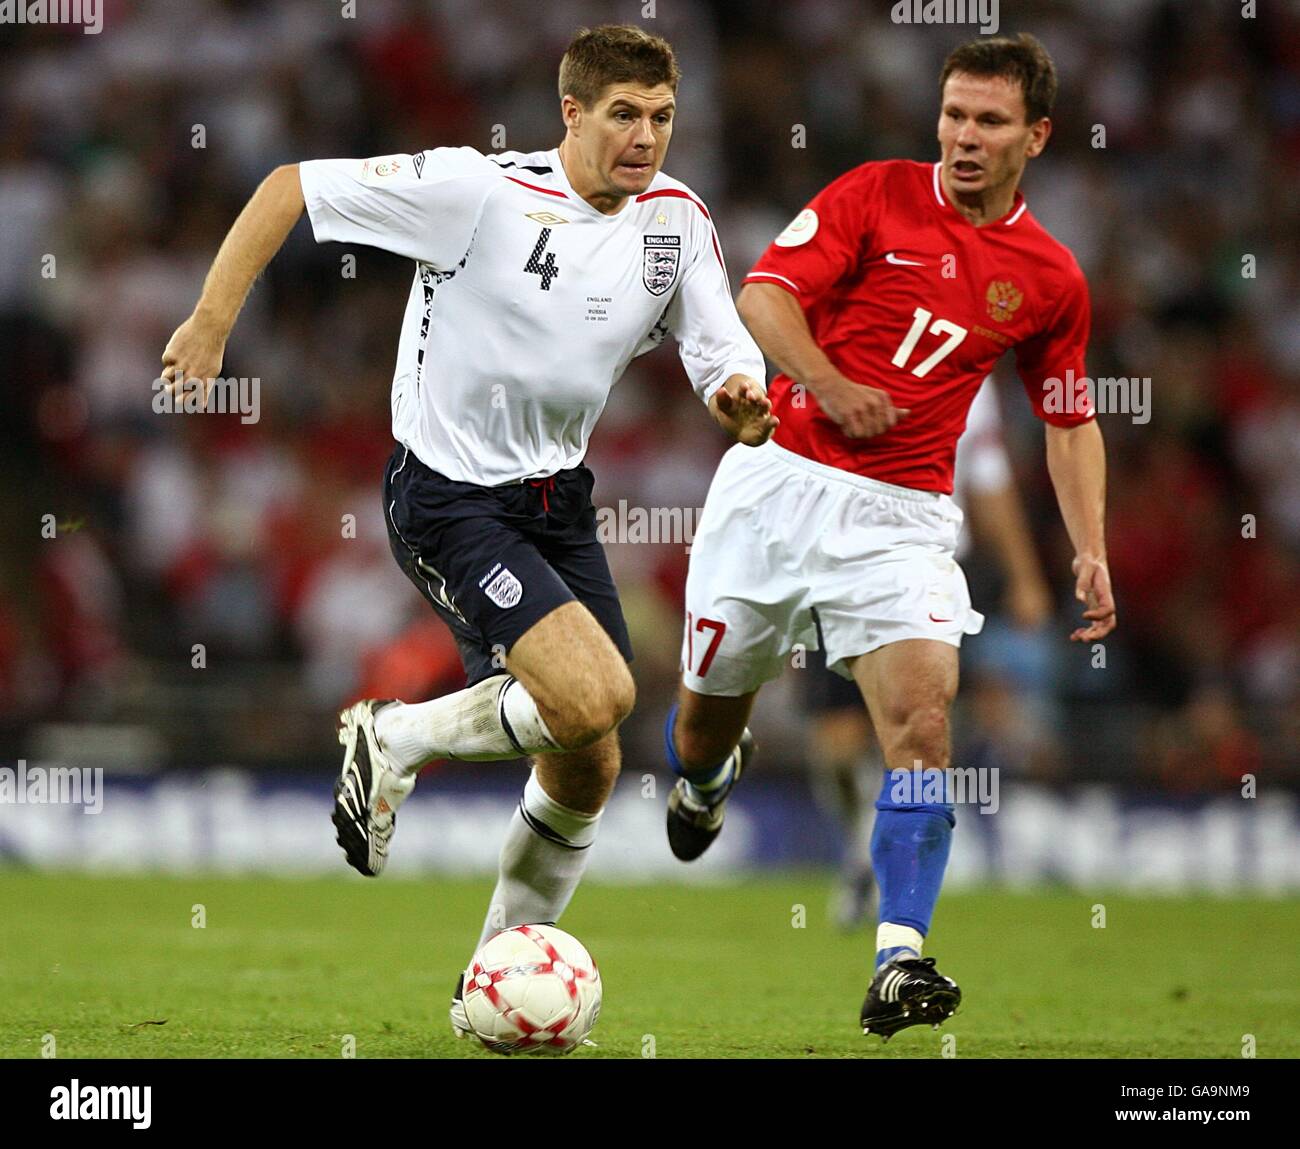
176 531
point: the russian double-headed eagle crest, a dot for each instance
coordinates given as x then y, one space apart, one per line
1003 298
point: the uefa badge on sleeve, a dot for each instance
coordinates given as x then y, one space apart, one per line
799 230
662 258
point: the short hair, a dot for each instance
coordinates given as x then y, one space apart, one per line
615 54
1023 59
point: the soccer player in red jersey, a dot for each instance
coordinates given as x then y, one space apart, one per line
884 304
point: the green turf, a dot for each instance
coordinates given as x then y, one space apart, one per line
288 968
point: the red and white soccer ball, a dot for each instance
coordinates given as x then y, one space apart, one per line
532 989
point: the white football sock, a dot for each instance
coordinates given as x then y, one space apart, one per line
497 718
889 936
542 861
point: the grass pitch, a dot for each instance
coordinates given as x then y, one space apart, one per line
116 967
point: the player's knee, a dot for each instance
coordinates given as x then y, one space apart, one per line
594 712
616 699
925 735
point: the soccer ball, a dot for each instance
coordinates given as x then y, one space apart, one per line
532 989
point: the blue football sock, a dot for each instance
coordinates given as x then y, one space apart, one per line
703 781
909 850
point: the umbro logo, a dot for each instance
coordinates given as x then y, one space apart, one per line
890 257
548 218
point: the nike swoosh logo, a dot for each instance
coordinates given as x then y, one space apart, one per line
892 258
933 619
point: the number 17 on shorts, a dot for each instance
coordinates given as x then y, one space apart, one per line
710 631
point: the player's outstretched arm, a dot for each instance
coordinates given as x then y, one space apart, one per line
743 410
776 320
1076 460
196 348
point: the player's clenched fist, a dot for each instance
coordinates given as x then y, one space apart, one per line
858 410
194 351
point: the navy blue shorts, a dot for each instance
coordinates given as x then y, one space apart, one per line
492 561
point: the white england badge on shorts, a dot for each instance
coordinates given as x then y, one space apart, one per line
505 590
662 258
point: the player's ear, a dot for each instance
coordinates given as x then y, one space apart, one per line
1039 134
571 111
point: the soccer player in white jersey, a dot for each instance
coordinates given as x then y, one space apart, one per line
539 277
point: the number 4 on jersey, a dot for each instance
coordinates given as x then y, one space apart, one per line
546 268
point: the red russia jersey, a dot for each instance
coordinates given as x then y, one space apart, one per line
903 293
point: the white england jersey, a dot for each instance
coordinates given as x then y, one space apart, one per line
528 303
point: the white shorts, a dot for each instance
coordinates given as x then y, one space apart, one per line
790 552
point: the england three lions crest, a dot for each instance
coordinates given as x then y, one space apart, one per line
662 258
